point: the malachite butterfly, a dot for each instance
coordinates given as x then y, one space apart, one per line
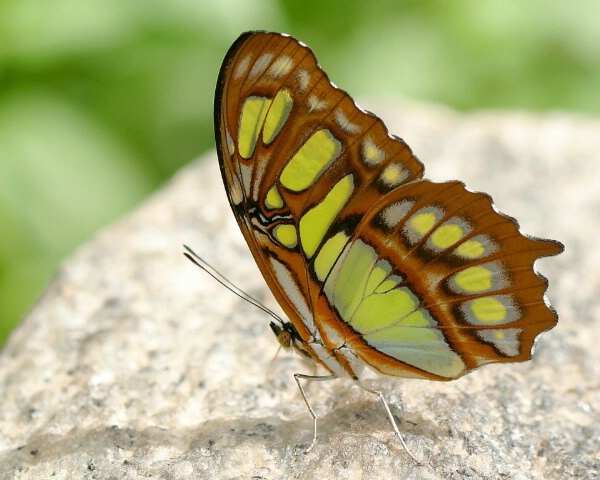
374 265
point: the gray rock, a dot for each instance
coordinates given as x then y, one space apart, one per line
137 364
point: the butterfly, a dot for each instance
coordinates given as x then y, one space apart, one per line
373 265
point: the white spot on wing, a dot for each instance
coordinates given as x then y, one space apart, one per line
316 105
371 153
346 125
260 65
395 213
235 191
246 171
303 78
280 67
241 68
393 175
505 340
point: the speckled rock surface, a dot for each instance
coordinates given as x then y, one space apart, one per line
136 364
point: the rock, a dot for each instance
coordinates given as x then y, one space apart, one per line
137 364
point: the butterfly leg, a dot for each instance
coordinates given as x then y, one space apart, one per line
392 421
318 378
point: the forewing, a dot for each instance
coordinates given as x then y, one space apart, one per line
297 155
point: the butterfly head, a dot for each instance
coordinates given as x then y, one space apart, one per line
288 337
283 334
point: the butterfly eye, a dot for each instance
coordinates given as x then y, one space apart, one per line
373 265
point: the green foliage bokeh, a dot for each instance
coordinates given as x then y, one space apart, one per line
101 101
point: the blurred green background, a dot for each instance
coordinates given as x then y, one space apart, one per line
103 100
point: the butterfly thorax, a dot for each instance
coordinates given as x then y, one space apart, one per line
339 360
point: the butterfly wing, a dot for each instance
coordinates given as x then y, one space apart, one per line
417 278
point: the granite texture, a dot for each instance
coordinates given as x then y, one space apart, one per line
136 364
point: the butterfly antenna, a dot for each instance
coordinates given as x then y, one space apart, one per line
219 277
